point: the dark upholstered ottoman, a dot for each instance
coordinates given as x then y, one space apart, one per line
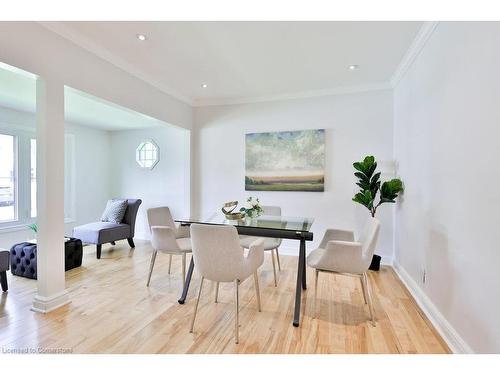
23 257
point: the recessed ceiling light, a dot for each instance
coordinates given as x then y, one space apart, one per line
141 37
353 67
204 85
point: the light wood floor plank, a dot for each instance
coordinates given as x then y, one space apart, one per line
112 311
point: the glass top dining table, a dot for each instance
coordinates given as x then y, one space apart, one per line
293 228
287 226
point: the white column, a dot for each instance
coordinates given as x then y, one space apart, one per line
51 292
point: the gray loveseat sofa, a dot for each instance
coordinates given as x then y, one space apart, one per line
102 232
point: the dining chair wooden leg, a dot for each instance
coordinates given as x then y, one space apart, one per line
236 311
369 295
278 259
153 258
196 305
183 270
169 263
274 268
257 289
315 307
364 289
216 291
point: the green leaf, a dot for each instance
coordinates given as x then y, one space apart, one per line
361 176
375 177
358 166
366 166
390 190
369 160
365 198
363 185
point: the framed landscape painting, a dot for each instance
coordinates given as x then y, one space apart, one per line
285 161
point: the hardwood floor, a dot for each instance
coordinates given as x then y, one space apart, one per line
112 311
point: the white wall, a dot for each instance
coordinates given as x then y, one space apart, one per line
167 184
447 117
92 170
356 125
105 167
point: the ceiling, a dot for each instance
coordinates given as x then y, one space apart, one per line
18 92
248 61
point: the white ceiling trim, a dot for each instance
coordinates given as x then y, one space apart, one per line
416 47
297 95
93 48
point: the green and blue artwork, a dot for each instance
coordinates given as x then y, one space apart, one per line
285 161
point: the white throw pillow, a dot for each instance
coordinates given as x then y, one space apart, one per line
114 211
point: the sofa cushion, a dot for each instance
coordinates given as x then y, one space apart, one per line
101 232
115 211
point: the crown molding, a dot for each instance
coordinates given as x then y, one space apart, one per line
411 54
85 43
289 96
413 51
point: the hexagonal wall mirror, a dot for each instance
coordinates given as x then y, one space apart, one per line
147 154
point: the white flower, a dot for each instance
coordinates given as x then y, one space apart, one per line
248 205
254 202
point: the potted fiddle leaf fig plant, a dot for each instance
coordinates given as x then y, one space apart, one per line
370 186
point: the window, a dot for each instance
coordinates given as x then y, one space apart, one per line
8 201
33 176
18 177
147 154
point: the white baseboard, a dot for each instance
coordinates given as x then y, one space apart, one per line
142 236
387 260
455 342
291 250
44 305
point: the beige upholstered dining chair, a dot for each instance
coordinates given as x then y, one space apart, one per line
219 257
167 238
270 244
340 253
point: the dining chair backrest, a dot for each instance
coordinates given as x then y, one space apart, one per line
368 239
216 251
160 216
272 210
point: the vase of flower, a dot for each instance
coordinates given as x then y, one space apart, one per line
252 208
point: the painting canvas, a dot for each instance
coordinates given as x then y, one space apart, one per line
285 161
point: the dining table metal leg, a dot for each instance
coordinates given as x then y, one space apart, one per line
187 282
303 251
300 281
